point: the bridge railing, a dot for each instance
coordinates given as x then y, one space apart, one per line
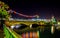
10 33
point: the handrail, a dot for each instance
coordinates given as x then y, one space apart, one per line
14 33
10 33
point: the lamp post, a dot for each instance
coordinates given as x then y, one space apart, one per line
37 17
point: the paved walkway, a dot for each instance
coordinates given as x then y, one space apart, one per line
1 34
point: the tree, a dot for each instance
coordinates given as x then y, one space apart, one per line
53 20
3 12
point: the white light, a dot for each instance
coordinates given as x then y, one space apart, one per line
17 26
33 19
11 19
12 27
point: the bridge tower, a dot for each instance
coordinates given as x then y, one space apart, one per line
37 16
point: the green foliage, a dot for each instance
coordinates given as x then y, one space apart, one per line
53 21
7 33
3 10
5 6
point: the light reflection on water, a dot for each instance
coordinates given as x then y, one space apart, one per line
46 33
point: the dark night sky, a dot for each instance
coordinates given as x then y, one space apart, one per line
44 8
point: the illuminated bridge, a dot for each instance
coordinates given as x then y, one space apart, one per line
27 21
28 28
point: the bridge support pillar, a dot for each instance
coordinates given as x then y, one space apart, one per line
30 25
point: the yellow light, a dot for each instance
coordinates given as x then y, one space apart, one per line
58 23
42 23
0 2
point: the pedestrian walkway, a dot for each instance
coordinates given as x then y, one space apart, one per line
1 34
